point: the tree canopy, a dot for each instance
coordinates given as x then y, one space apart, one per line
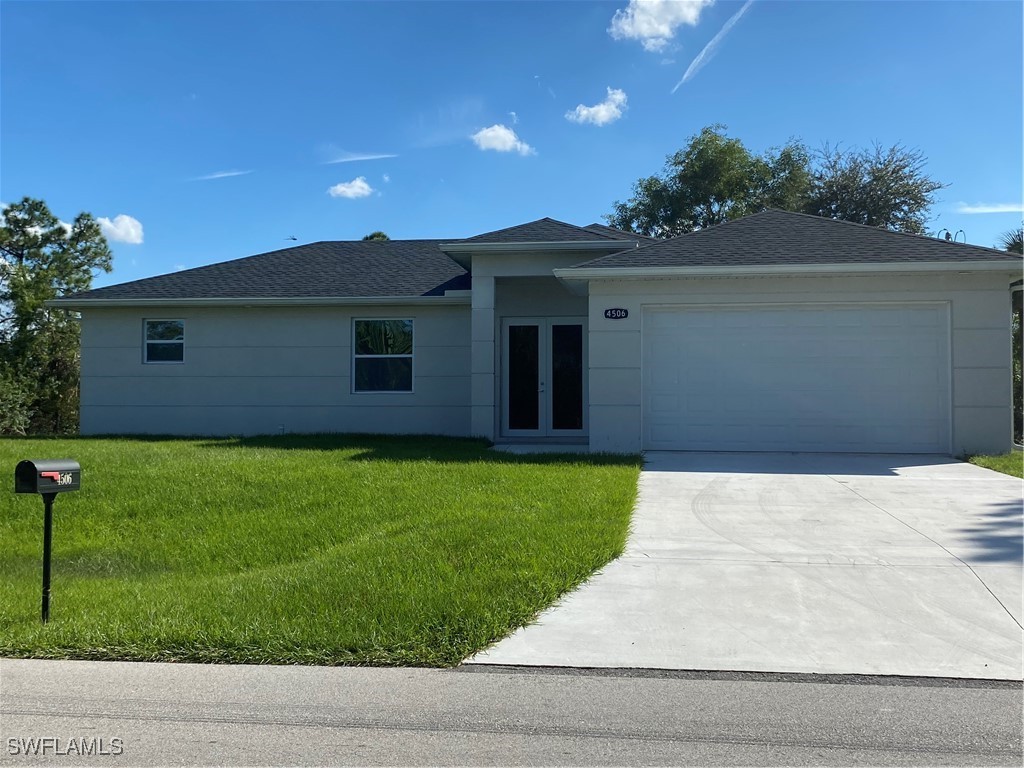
879 187
715 178
377 235
42 258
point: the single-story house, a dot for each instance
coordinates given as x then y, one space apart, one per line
775 332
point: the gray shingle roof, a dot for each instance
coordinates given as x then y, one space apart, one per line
779 237
319 270
541 231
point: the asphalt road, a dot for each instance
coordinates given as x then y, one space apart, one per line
180 714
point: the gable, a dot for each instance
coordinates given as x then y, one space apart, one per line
541 231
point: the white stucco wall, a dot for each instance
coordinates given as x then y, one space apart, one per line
980 343
267 370
536 297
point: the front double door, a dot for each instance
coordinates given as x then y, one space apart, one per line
543 377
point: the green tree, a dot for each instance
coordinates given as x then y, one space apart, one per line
15 404
378 235
1013 241
41 258
879 187
713 179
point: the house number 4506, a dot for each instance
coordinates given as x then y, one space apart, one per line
616 314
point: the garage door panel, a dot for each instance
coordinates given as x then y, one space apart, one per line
850 378
665 405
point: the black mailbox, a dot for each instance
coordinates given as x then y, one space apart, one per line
47 476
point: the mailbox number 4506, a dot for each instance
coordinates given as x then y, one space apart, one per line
60 478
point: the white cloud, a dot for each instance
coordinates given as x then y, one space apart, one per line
387 179
220 175
608 111
501 138
351 189
990 208
123 229
342 156
654 22
709 50
514 116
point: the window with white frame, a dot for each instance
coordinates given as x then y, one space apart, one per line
164 341
382 355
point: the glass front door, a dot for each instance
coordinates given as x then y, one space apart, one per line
544 377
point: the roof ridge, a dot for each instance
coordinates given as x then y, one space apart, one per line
641 246
599 225
575 226
544 219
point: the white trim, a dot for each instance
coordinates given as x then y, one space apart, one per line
504 430
356 356
584 431
311 301
146 341
545 397
619 273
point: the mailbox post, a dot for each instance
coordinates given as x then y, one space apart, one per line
47 477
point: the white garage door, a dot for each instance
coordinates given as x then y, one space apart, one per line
857 378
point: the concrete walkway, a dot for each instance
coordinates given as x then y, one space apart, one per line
858 564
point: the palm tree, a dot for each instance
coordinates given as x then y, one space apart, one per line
1013 240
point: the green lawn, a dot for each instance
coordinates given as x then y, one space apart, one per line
1009 463
311 550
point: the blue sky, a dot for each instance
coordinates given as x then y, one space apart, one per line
204 131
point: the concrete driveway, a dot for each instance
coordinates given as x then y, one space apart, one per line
827 563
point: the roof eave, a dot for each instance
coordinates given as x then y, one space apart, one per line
456 297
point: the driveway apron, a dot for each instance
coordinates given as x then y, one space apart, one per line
807 563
